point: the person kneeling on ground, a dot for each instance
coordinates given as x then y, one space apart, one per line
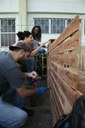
12 80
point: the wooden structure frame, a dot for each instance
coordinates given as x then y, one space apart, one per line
66 69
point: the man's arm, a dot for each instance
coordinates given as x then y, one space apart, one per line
34 52
29 92
26 92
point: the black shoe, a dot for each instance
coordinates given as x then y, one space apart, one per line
30 112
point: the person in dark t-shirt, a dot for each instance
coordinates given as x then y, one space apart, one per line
12 79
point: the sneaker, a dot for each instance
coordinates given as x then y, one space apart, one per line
30 112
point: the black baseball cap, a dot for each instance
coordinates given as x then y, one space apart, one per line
21 45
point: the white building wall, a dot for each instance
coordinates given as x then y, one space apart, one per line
55 9
9 6
48 6
59 6
56 6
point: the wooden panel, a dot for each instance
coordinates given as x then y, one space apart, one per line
72 43
70 75
57 96
66 69
69 31
69 93
82 66
66 60
81 84
53 108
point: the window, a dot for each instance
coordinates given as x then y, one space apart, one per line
43 23
7 31
52 25
57 25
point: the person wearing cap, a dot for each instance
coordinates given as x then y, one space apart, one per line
12 80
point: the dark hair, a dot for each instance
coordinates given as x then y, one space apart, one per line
22 35
38 36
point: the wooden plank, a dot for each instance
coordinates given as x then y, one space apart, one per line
78 94
53 107
81 88
66 69
69 31
81 83
82 66
69 93
61 94
70 75
55 103
63 104
71 59
72 43
58 101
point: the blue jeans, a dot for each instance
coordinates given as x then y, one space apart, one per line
31 64
11 116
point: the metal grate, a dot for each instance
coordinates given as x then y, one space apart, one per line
43 23
7 31
57 25
52 25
